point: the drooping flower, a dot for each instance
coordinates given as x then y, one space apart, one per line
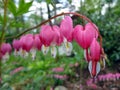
76 32
50 36
84 35
37 42
26 42
66 28
29 43
95 51
17 46
5 50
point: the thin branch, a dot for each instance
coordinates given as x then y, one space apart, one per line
3 34
5 21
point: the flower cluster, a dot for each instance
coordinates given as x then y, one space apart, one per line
5 50
109 77
52 36
27 43
16 70
57 74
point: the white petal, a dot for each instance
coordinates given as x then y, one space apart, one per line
5 57
61 49
45 49
33 53
65 40
90 67
16 53
68 48
23 53
85 54
53 51
97 68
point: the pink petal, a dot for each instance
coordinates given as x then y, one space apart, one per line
66 28
16 44
49 35
85 36
5 47
95 50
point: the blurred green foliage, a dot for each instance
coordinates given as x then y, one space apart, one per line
38 73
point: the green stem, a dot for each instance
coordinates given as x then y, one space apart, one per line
3 32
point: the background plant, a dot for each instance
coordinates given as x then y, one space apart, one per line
36 71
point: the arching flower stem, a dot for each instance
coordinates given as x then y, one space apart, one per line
63 13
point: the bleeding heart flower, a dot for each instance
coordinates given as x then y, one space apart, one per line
5 50
84 35
95 51
37 42
50 35
16 45
77 31
66 28
26 42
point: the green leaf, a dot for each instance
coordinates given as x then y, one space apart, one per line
21 3
18 24
48 1
23 7
12 7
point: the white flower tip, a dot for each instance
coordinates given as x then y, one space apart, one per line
53 51
45 49
68 47
97 68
